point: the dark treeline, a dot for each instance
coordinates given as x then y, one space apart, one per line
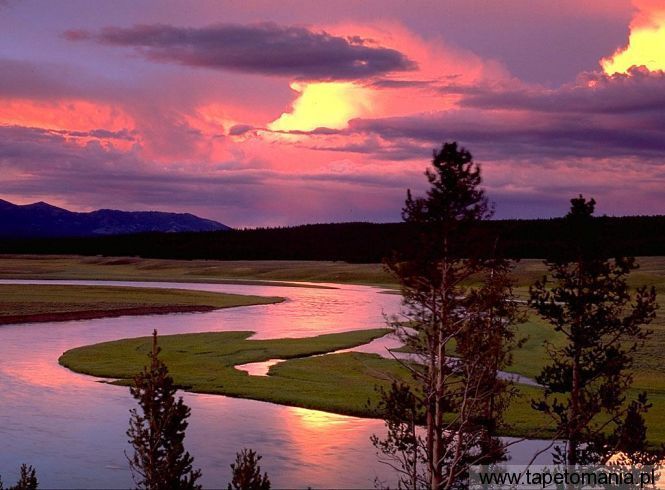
352 242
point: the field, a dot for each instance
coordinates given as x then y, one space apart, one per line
652 270
210 271
364 369
21 303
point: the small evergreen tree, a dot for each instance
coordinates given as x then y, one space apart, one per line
160 461
628 443
247 472
27 479
588 301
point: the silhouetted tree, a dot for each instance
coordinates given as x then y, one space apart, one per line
627 444
27 479
159 461
247 472
461 399
588 302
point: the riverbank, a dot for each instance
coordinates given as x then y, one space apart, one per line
34 303
264 272
72 427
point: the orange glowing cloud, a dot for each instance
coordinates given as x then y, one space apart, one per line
646 43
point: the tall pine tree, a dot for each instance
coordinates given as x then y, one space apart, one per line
460 400
586 299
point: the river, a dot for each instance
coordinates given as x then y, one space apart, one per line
72 427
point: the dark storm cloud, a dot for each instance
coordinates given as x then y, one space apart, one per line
266 48
501 138
396 151
387 83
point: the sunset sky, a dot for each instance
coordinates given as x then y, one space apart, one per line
274 113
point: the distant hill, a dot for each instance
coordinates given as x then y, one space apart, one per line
44 220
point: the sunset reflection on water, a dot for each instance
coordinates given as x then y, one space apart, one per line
72 427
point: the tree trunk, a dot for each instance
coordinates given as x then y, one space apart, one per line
438 447
431 429
573 436
574 416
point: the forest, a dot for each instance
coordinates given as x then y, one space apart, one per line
350 242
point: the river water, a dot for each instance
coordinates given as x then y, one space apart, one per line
72 427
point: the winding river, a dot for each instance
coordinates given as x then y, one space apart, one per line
72 428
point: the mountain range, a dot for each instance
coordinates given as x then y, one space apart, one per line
44 220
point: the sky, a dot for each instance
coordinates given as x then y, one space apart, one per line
270 113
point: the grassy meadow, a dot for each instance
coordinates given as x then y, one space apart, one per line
207 271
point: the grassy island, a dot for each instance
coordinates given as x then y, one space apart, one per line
205 363
341 383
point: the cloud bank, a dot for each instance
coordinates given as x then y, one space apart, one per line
266 48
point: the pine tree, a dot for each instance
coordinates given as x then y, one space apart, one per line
27 479
587 300
160 461
628 444
247 472
443 317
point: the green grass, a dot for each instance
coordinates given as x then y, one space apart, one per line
341 383
204 363
648 372
29 302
